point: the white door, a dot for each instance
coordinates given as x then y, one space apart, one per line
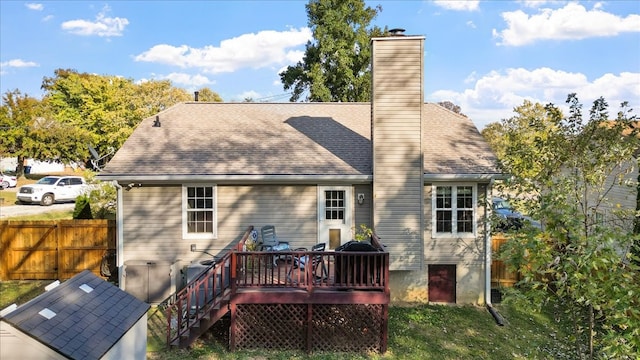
335 205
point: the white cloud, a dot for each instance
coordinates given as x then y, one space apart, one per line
495 94
572 22
458 5
34 6
192 81
15 63
19 63
538 3
102 26
251 94
266 48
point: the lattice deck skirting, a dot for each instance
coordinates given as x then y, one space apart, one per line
310 327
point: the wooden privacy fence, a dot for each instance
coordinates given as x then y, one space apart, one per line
57 249
500 275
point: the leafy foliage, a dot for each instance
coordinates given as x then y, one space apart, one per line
336 64
24 130
362 233
78 110
569 168
102 197
208 95
82 209
452 107
104 110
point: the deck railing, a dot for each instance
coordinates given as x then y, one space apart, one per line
311 270
205 299
206 294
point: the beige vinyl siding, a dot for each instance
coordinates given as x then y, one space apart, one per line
397 153
153 219
152 223
362 213
292 209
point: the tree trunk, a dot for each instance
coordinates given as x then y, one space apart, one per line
20 167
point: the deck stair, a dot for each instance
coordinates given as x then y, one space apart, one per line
199 305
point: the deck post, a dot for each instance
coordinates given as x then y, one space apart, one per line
309 327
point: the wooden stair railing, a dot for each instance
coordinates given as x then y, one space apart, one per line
203 301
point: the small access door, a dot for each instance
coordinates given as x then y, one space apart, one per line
335 205
442 283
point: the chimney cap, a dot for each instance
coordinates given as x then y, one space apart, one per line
397 32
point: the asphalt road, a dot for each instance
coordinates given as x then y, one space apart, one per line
7 210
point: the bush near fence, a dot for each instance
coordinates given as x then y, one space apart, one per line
55 249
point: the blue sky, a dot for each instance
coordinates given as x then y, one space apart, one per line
486 56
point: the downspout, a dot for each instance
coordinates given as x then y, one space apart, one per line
120 235
487 258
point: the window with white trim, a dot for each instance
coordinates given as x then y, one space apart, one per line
335 205
199 215
454 210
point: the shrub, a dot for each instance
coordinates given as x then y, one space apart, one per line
82 209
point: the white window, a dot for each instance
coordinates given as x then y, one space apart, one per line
454 210
199 215
335 205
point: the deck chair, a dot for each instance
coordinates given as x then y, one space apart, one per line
315 261
270 241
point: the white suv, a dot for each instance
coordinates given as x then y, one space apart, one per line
52 189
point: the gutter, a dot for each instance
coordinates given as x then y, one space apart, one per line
487 260
463 177
284 179
120 235
241 179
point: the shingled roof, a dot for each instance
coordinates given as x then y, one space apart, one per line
82 318
329 139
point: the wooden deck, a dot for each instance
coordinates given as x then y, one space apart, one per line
308 296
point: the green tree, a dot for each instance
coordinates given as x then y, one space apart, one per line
95 106
154 96
452 107
570 167
25 129
520 143
80 110
101 110
336 63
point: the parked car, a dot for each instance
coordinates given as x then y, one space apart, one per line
7 181
509 217
51 189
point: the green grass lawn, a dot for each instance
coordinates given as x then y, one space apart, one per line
415 332
51 215
7 198
427 332
20 291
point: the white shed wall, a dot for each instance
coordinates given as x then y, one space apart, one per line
15 345
133 345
